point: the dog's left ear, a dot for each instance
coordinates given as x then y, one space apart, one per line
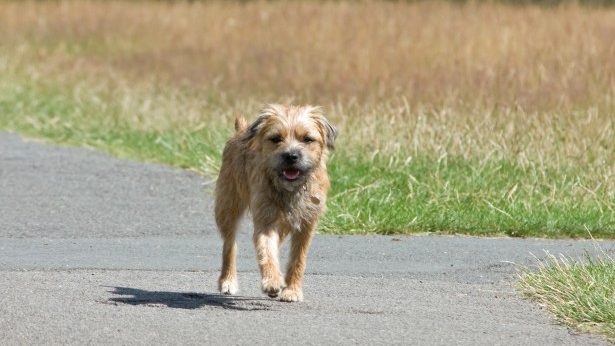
330 132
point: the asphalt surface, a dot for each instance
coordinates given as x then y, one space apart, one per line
98 250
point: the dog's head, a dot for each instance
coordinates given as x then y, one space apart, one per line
293 141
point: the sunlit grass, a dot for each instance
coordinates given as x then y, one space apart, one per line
375 188
485 55
581 294
462 196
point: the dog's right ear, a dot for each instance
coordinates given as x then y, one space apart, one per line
240 124
253 129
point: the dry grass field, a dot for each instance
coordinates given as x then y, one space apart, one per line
427 53
475 118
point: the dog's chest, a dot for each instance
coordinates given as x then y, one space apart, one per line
299 209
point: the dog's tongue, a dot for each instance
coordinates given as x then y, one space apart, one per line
291 174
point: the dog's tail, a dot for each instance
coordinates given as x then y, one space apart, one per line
240 124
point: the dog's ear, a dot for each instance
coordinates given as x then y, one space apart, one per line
253 129
240 124
330 132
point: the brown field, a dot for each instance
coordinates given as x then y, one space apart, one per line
427 53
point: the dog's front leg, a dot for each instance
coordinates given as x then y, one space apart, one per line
300 243
266 241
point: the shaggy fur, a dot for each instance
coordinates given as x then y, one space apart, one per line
276 168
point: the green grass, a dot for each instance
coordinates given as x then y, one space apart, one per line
459 196
373 192
581 294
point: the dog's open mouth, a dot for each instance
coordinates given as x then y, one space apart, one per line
291 174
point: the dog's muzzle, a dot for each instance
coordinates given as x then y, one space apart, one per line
293 165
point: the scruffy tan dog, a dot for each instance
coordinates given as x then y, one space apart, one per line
276 167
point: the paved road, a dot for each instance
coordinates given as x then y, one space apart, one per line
97 250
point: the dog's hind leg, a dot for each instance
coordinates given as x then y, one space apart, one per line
228 211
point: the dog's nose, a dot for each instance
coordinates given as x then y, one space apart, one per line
291 156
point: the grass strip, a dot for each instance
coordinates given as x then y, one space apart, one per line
581 294
372 192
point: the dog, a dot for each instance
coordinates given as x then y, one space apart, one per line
276 168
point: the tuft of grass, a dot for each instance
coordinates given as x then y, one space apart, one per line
581 294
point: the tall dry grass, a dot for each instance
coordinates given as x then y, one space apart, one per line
524 82
428 52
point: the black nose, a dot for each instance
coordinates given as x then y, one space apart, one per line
291 156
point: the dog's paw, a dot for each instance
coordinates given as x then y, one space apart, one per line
272 286
228 286
291 295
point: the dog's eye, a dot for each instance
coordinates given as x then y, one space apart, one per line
308 139
275 139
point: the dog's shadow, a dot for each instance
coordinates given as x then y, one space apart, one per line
186 300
